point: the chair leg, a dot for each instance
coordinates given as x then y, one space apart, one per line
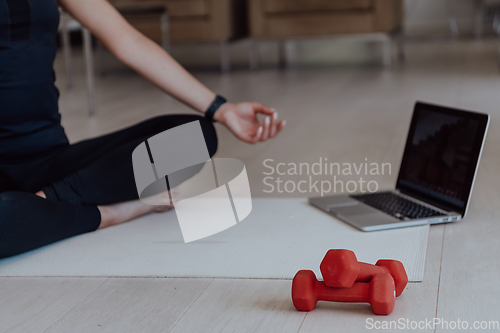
165 31
496 23
282 60
478 18
387 52
101 66
498 59
66 43
225 57
452 21
89 62
254 55
400 50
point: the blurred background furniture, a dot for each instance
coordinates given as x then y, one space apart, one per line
291 19
150 17
66 25
484 11
487 11
137 10
194 21
166 22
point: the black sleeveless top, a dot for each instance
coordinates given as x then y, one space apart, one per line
30 123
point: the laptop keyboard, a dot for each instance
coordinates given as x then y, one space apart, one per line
396 205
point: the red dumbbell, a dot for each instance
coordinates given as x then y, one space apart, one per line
379 292
340 269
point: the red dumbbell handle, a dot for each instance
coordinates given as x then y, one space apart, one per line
367 271
358 293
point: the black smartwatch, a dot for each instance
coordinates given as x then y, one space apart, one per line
218 101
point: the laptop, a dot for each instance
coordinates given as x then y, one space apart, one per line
435 179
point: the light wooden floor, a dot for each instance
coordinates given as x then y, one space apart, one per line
344 114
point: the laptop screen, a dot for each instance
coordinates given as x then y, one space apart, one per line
441 154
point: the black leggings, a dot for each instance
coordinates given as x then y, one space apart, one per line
75 178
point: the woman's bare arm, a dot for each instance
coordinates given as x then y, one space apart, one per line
150 60
139 52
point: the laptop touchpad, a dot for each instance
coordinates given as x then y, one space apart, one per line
354 210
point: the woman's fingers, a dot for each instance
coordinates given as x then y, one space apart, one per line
266 127
270 123
257 136
255 130
262 109
271 126
274 124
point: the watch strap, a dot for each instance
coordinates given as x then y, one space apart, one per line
218 101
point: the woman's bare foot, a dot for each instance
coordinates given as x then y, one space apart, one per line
126 211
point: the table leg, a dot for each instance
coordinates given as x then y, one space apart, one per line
89 62
254 55
225 57
165 31
66 43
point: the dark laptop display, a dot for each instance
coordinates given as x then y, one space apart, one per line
435 178
441 154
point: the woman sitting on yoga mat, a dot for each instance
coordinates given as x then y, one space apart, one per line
50 189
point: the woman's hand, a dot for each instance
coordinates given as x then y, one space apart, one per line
241 119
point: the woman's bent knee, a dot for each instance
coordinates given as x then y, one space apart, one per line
28 221
170 121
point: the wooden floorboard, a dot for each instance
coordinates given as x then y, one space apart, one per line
242 306
469 289
34 304
132 305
